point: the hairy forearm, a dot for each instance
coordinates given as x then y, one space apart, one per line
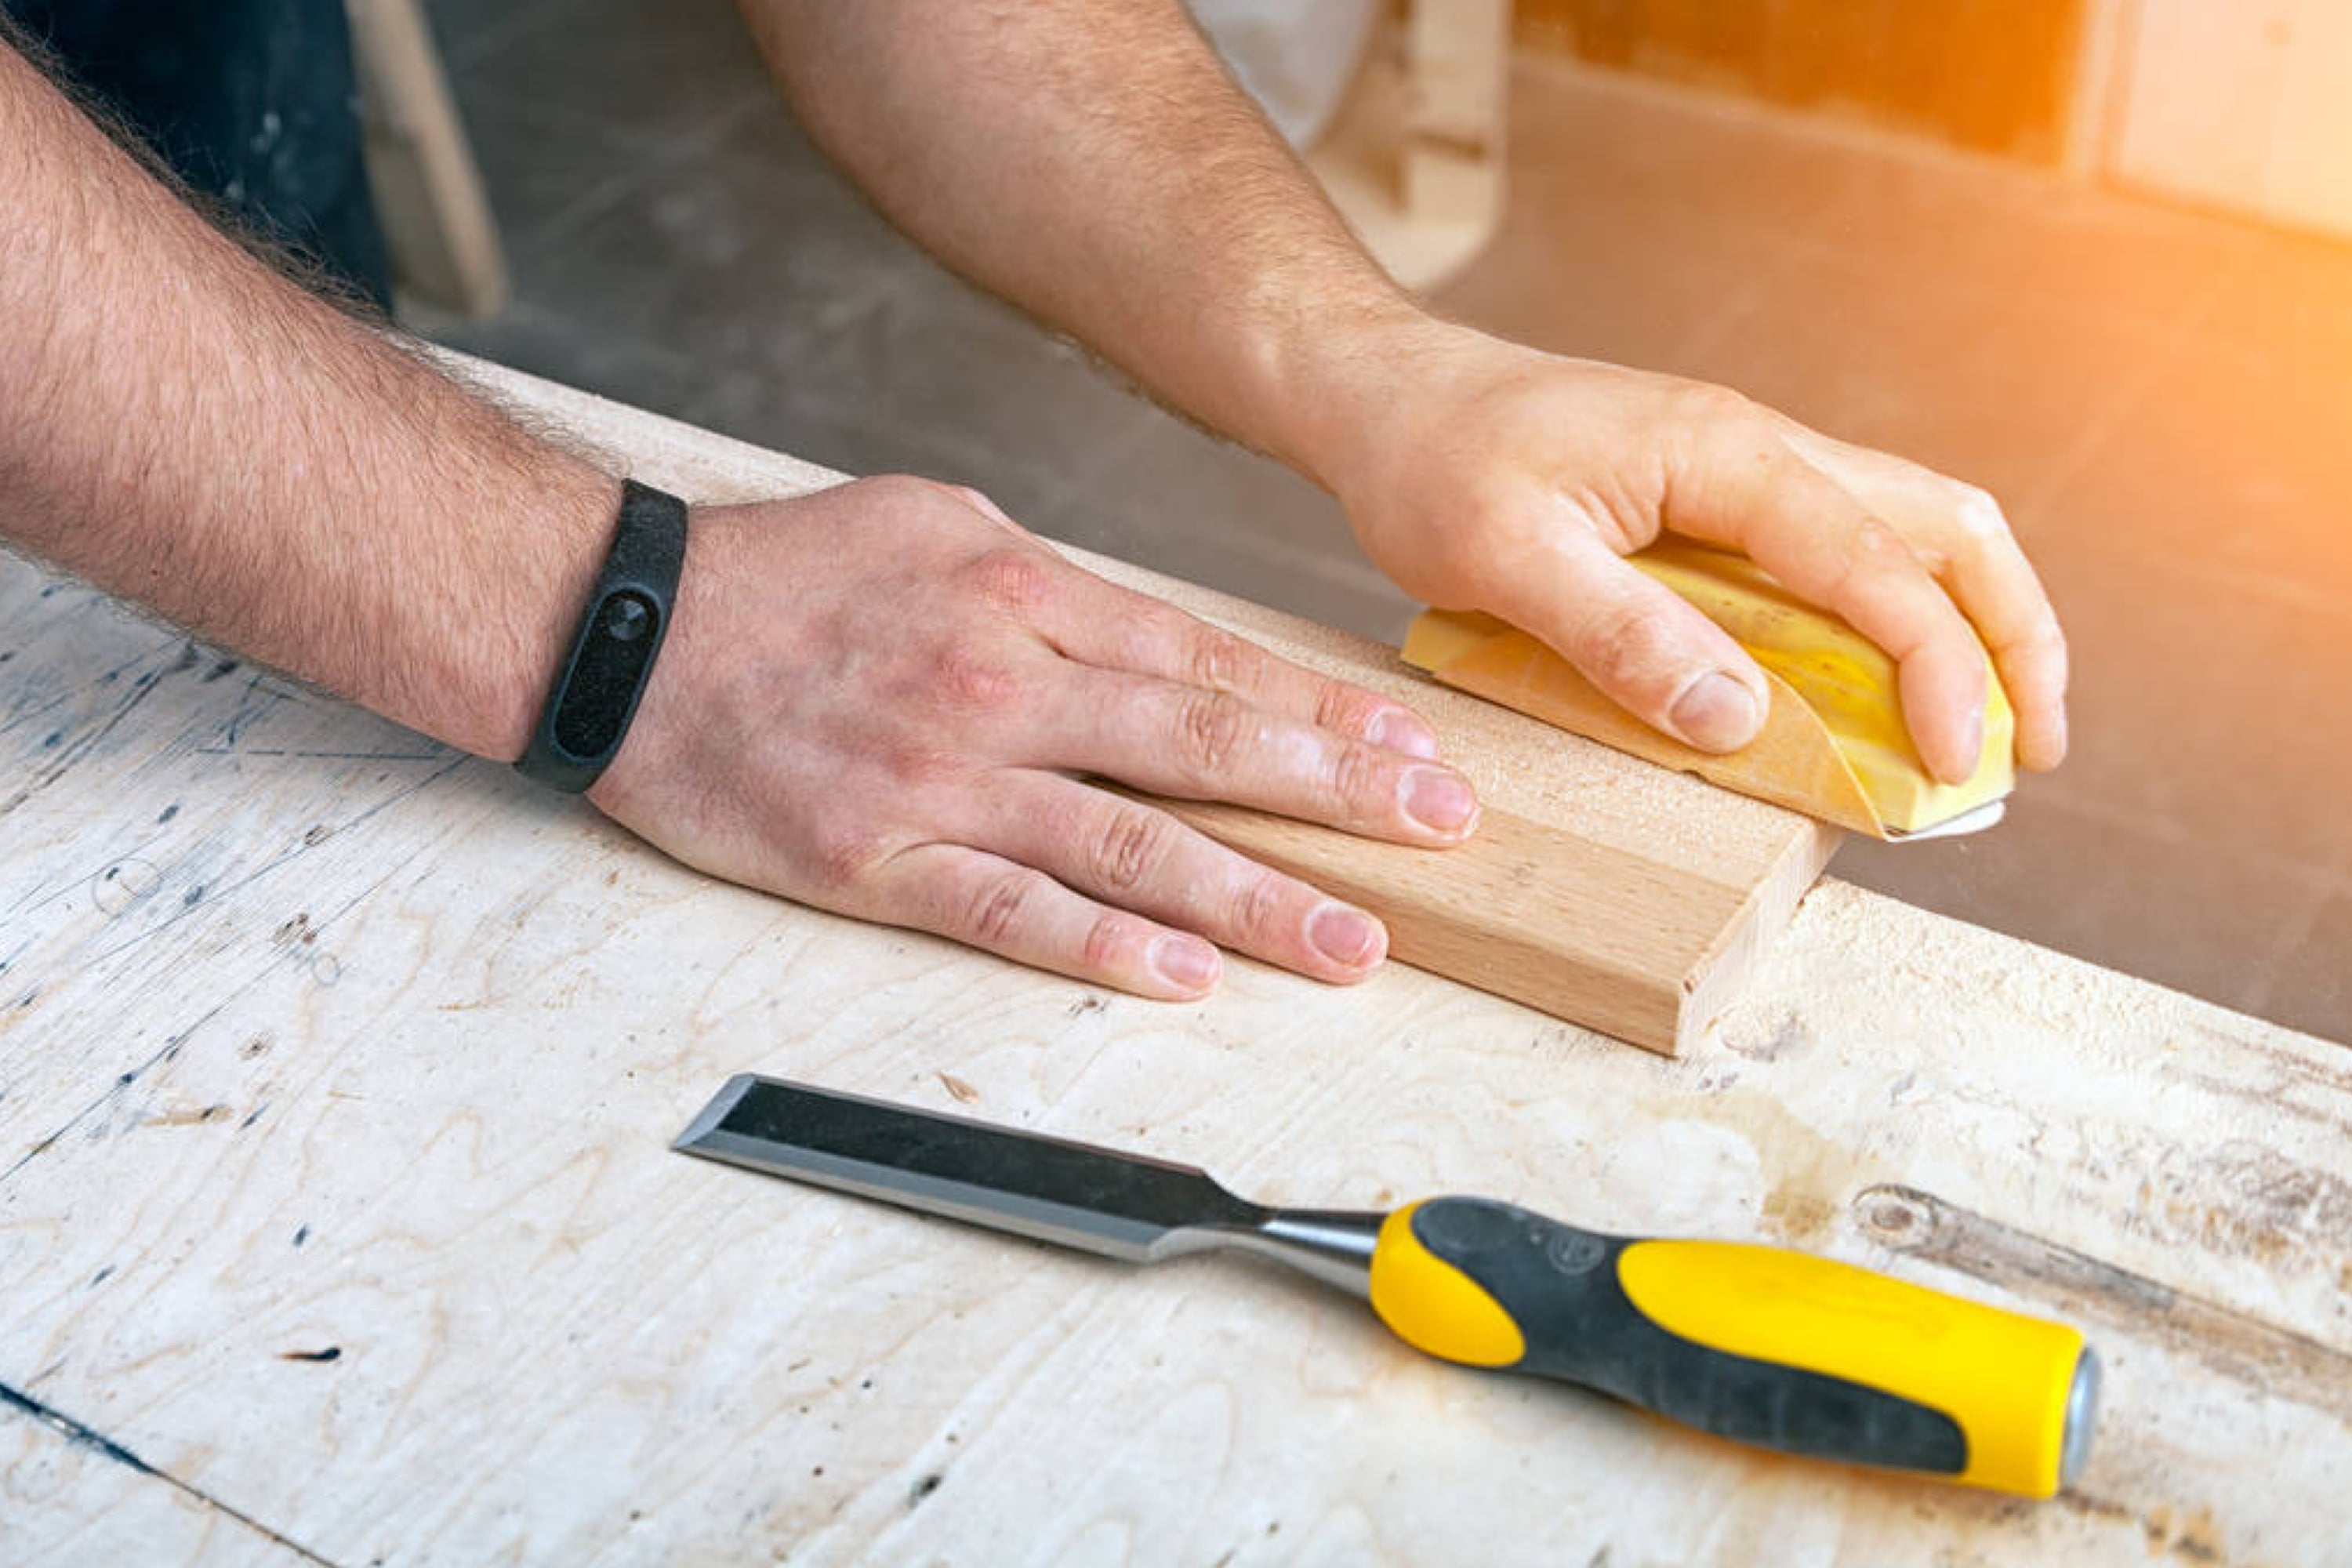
181 425
1091 161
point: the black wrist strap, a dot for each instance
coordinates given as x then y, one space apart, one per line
595 693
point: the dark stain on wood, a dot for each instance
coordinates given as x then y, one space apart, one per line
190 1118
2279 1361
331 1353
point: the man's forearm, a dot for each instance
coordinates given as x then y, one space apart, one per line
181 425
1091 161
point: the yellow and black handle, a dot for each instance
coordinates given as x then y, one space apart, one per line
1776 1348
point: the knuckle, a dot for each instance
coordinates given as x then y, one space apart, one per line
1259 909
968 677
1219 662
1212 727
1106 941
1879 561
1979 514
1015 581
997 907
2044 645
1617 645
1133 843
844 857
1875 540
1707 403
1346 709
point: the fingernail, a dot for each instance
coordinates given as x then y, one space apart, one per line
1344 935
1400 732
1718 713
1971 748
1184 961
1439 799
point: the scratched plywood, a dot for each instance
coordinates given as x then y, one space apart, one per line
69 1499
338 1193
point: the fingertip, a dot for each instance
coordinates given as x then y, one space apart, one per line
1941 717
2041 744
1441 801
1951 745
1350 941
1970 752
1718 711
1190 966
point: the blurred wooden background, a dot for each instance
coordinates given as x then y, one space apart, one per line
1993 75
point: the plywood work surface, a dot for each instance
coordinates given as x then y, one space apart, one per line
337 1221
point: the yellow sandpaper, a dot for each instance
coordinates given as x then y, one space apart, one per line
1833 745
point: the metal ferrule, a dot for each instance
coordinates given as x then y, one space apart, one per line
1334 1246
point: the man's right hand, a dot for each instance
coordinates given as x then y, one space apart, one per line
888 699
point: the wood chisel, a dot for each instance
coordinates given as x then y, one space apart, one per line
1765 1346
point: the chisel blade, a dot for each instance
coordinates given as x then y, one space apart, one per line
1097 1200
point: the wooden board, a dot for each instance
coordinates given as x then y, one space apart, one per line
1995 75
2242 106
428 194
1414 159
1600 889
317 1038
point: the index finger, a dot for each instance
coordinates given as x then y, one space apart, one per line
1965 540
1743 488
1118 629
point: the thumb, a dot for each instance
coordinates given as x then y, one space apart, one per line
1644 646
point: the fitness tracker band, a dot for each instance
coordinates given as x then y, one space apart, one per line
596 691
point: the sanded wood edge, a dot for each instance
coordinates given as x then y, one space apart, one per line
1716 981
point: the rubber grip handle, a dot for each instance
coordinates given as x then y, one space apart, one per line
1789 1352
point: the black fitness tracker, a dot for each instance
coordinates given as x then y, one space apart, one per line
595 693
